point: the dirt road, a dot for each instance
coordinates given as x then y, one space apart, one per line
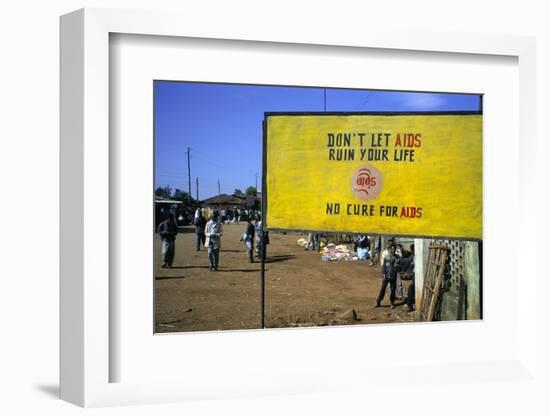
300 289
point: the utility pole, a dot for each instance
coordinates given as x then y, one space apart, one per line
189 169
256 182
219 188
197 189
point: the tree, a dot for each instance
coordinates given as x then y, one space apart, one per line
251 190
237 192
164 191
182 196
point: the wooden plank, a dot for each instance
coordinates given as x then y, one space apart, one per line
438 283
427 294
433 281
461 308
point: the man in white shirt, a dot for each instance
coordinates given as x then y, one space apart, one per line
213 232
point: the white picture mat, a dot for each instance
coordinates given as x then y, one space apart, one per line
138 356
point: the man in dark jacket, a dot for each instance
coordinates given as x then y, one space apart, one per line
262 238
391 265
168 229
249 239
200 223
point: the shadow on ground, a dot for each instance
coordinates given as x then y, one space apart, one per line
51 390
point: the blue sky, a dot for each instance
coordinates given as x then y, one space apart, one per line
222 124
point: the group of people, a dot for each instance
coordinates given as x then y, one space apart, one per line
393 259
236 215
393 262
255 239
208 234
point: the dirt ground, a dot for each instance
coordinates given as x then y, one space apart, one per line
300 288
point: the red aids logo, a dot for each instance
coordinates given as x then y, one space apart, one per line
366 182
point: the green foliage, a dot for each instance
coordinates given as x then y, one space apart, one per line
164 192
180 195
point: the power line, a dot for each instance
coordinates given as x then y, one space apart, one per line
184 181
205 159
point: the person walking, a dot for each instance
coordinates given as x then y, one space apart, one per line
200 224
168 230
258 234
389 276
313 242
213 232
249 239
309 243
262 238
263 244
361 246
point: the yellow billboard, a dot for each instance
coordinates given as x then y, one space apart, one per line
415 174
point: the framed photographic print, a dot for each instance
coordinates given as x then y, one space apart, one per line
324 194
239 213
